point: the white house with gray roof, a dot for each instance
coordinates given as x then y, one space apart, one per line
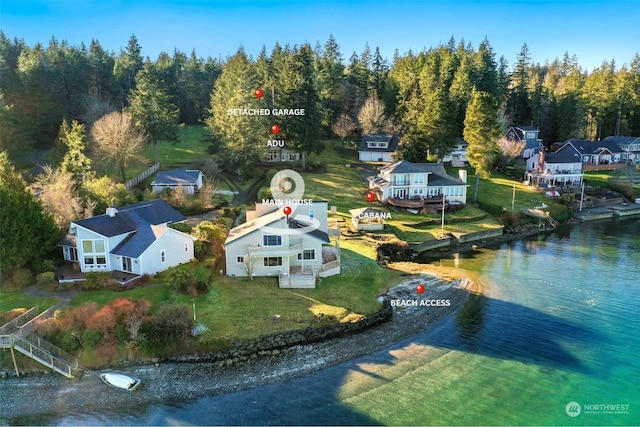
135 239
187 179
295 248
409 184
378 147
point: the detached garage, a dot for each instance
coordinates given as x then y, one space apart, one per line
189 180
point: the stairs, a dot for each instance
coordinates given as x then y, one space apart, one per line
15 335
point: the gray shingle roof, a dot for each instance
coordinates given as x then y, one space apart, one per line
152 212
391 139
176 177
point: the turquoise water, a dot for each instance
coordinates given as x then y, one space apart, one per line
559 323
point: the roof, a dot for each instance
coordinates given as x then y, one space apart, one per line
392 140
518 132
258 223
438 174
128 218
136 243
595 147
623 140
568 153
177 177
365 212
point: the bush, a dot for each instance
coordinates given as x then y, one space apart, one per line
623 188
187 282
182 226
46 279
200 249
22 278
170 326
97 280
90 338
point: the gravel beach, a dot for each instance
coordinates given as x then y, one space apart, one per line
29 396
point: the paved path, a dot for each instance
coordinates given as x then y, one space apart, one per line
64 298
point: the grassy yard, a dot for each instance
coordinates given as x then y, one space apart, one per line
10 300
192 147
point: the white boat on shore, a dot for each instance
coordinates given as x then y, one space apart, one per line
120 381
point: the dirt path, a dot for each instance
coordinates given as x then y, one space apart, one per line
64 298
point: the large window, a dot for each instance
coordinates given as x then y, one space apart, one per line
418 178
94 253
273 261
307 254
271 240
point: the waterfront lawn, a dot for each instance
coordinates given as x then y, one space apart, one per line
10 300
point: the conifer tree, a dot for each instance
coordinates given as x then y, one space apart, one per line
74 138
481 132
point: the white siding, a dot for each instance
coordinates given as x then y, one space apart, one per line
172 243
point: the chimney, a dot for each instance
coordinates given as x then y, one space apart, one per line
112 212
462 174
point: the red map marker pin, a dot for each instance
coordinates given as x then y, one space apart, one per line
420 289
258 93
275 129
287 210
371 197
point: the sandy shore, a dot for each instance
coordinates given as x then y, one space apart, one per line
30 396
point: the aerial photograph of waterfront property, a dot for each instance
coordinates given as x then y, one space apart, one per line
327 213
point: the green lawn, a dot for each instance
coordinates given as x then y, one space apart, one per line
192 147
10 300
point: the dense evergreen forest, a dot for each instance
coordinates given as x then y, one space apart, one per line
424 95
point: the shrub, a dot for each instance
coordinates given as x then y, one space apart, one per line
96 280
200 249
187 282
46 279
91 337
170 326
623 188
22 278
182 226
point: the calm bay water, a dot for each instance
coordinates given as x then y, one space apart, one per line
559 323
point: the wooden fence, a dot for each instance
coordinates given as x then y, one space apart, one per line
142 176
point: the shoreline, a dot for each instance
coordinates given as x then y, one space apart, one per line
168 382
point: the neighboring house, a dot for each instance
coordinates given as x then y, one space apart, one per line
597 153
134 239
559 168
413 185
281 154
295 248
628 144
189 180
458 157
527 134
378 147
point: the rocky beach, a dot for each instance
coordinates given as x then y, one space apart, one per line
39 395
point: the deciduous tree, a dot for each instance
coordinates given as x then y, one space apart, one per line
118 139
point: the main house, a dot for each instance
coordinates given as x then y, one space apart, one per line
559 168
188 180
409 184
529 135
378 147
295 248
135 239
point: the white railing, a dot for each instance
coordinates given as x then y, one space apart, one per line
23 319
142 176
33 351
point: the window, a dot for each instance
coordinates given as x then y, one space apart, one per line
94 252
307 254
271 240
186 246
273 261
163 256
418 178
417 190
240 259
312 214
